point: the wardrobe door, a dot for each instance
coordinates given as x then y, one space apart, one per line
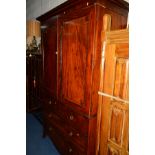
76 58
50 58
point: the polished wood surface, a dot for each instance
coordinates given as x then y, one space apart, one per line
113 110
106 27
71 78
118 6
76 59
75 34
33 81
50 57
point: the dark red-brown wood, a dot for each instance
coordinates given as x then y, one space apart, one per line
50 57
33 81
71 78
77 48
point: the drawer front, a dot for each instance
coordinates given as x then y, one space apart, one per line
64 145
65 122
71 134
49 102
68 116
50 105
56 138
74 119
72 149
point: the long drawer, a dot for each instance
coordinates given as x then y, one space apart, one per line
64 142
69 116
67 127
74 119
69 132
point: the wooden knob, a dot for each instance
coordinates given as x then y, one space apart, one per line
50 128
71 117
50 102
78 134
49 115
70 150
71 134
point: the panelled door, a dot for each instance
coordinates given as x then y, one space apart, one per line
50 57
76 46
114 95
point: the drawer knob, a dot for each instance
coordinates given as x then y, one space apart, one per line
78 134
71 117
70 150
49 115
55 102
50 102
50 128
71 134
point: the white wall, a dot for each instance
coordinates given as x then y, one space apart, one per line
35 8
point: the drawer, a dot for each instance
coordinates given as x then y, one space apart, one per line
56 138
50 104
71 134
46 96
70 148
74 119
65 146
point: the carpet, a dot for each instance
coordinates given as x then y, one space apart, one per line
35 143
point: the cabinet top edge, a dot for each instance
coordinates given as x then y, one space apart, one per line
72 3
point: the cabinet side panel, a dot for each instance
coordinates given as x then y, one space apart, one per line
118 21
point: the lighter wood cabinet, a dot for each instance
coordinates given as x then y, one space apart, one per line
113 112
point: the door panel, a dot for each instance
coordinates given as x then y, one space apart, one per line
121 78
50 58
118 118
75 42
75 60
115 95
